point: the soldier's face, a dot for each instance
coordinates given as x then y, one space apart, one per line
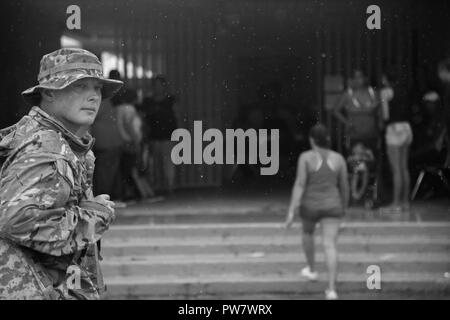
78 103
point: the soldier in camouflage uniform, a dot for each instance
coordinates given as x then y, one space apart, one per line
50 221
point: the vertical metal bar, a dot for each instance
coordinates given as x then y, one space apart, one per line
133 51
388 41
125 51
348 49
217 75
408 49
319 69
328 52
116 39
401 50
357 45
182 100
379 53
368 35
144 56
192 170
338 54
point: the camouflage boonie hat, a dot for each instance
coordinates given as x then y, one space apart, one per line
63 67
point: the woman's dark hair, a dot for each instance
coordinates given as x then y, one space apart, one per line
115 74
319 134
363 74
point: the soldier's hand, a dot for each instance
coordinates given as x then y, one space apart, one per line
104 199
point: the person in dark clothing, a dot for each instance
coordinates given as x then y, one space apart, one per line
130 129
444 76
107 148
160 121
395 105
428 146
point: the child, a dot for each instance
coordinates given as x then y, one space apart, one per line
359 162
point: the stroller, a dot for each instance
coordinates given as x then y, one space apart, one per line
363 163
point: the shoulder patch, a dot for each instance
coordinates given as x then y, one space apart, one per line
49 142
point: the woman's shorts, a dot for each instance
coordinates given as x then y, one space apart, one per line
399 134
310 217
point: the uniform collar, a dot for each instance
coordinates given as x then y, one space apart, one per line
83 144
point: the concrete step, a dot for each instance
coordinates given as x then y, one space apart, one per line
276 285
272 244
268 229
263 259
262 208
256 264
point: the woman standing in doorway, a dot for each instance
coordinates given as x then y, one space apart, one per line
395 106
358 110
160 120
321 192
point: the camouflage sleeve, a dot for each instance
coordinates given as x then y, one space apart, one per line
37 211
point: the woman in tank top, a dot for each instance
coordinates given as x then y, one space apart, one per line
358 109
321 192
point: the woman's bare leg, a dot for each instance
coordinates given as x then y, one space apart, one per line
404 167
330 230
308 248
394 160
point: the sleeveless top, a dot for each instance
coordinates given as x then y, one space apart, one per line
321 189
362 116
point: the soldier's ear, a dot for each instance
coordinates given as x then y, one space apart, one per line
47 94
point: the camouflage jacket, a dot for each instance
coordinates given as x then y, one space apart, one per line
49 222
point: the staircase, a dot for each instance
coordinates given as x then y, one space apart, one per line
263 260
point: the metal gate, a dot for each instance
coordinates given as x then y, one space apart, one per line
184 51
